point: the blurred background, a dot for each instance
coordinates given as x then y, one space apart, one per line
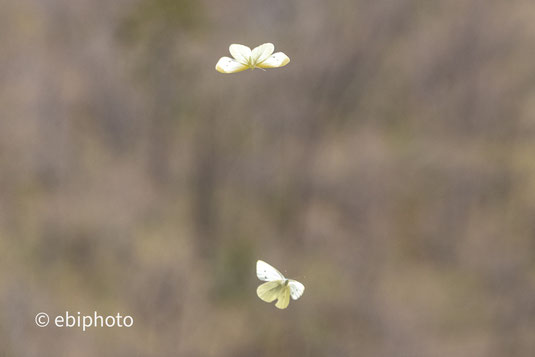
390 167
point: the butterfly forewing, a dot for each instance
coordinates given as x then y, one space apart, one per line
296 289
266 272
278 59
229 65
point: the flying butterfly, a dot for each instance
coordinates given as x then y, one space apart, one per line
277 287
260 57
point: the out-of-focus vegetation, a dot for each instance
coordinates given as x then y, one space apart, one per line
390 167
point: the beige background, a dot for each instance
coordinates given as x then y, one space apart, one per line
390 167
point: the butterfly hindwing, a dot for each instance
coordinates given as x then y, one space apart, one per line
240 52
283 298
270 291
262 52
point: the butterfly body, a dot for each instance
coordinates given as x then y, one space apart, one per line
244 58
276 287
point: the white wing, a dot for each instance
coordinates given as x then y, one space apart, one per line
240 52
266 272
262 52
229 65
296 289
278 59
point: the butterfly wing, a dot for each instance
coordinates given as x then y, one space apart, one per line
229 65
296 289
270 291
240 52
266 272
262 52
283 298
278 59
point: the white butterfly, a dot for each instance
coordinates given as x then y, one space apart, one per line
260 57
277 287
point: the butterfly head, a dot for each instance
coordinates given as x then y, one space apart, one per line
286 281
250 63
